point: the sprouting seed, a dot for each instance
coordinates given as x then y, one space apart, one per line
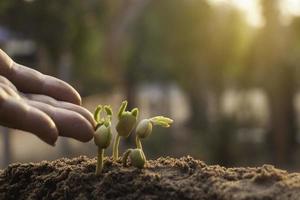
103 135
143 130
137 158
125 125
144 127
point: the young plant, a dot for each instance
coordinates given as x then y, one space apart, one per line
126 123
137 158
144 128
103 135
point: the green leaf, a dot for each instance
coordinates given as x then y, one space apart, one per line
135 112
161 121
97 113
122 108
108 110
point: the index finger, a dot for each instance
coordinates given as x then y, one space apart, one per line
29 80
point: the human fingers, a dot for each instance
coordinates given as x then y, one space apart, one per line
10 91
29 80
15 113
69 123
62 104
7 82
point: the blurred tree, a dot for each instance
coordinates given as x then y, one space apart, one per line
60 29
199 46
119 44
270 57
63 30
121 18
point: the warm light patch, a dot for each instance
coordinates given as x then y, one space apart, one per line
252 9
290 7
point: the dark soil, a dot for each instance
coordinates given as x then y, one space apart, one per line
164 178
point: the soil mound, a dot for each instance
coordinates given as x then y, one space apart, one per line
164 178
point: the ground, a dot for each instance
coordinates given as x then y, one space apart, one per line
164 178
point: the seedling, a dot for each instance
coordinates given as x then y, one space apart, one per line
103 135
137 158
143 130
126 123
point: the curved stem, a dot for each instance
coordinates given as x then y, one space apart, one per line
97 112
144 157
125 157
116 148
139 146
99 161
138 143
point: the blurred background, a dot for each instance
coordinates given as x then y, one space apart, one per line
227 72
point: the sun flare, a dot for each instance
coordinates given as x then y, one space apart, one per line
252 9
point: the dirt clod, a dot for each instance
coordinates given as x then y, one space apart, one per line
164 178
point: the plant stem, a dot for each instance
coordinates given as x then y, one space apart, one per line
139 146
99 161
138 143
116 148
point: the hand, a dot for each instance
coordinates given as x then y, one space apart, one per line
41 104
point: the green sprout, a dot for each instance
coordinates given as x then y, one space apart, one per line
137 158
126 123
144 128
103 135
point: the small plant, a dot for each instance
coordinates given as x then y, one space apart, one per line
137 158
126 123
103 135
143 130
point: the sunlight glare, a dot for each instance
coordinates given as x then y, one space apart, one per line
250 8
290 7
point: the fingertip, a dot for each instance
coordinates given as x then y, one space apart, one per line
51 141
77 98
40 124
64 91
53 136
76 126
46 129
87 134
89 116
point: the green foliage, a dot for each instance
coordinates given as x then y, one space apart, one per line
161 121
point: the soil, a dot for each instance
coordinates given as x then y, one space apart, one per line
164 178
